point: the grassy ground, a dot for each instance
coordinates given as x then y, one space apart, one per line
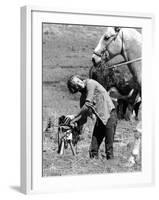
67 50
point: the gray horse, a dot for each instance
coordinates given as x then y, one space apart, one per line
118 45
124 41
128 43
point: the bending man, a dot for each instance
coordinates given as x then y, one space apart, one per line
95 99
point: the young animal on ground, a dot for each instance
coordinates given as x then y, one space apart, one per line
68 134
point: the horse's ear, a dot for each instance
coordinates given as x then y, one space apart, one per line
117 29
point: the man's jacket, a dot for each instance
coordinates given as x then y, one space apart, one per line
96 97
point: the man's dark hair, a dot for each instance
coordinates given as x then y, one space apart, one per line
73 88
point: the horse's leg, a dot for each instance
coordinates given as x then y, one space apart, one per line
129 112
136 109
125 105
120 109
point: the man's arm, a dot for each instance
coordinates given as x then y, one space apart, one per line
90 91
86 108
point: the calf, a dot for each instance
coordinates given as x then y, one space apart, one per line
126 103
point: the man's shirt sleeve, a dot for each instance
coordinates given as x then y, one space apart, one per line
90 91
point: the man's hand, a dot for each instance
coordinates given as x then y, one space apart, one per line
68 119
71 117
73 124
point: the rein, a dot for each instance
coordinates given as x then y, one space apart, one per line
97 54
125 63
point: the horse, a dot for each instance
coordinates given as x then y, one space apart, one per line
121 41
126 42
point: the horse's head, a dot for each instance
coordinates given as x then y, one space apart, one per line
110 45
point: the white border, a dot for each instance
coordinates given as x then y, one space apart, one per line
32 181
26 109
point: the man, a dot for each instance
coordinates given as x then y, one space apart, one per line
95 99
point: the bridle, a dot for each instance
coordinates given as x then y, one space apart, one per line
123 53
97 54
